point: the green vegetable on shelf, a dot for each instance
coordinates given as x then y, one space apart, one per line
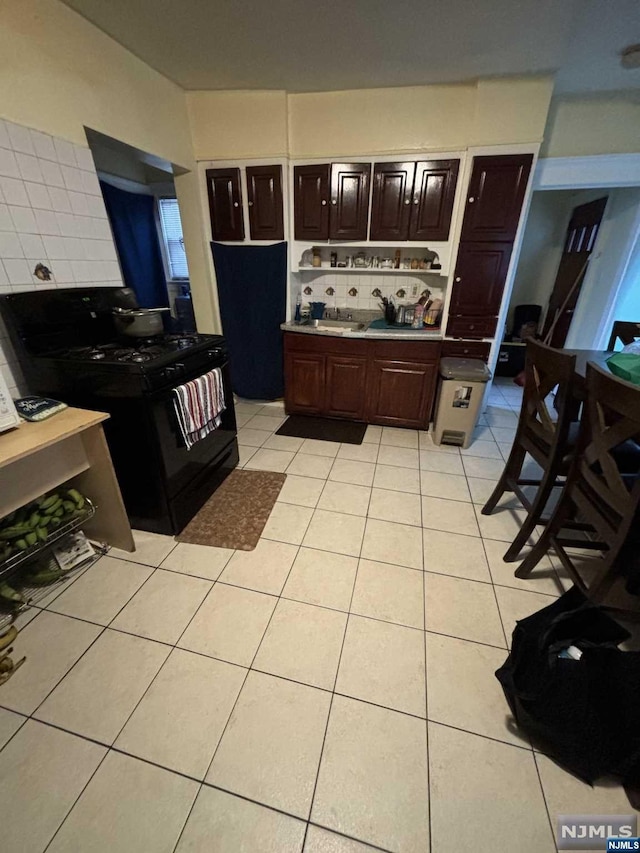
10 594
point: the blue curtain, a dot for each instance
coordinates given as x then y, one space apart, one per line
132 218
252 286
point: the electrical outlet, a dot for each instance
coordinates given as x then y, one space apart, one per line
414 289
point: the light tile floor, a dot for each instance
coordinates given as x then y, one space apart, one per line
331 692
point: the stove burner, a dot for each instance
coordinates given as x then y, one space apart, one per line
140 351
181 341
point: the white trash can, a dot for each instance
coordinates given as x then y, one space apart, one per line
460 393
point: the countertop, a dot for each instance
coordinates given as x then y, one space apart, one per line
32 436
367 334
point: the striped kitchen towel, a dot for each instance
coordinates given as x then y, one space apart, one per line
198 406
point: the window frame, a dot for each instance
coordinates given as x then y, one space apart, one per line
164 242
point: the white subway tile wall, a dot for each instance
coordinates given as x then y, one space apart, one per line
51 212
365 284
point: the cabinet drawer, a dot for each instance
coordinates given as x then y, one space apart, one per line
422 351
466 349
472 327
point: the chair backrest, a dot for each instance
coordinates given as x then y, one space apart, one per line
546 368
610 419
623 331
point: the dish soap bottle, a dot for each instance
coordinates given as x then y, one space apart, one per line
297 317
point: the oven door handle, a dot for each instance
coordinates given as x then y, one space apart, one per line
184 378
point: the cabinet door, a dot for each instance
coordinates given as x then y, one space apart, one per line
391 200
346 387
481 270
349 214
400 393
495 196
311 202
304 382
225 204
434 190
264 192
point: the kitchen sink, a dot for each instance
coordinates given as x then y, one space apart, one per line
339 325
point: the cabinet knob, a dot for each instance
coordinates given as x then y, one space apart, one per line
323 202
250 204
333 201
457 278
235 204
416 200
471 200
407 201
472 326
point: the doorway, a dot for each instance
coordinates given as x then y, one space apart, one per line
544 257
579 242
140 196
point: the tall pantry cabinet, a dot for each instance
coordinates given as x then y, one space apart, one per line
491 215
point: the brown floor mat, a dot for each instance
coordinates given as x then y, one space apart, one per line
236 513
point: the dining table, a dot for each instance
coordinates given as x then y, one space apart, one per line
583 357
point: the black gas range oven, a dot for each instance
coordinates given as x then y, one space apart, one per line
68 349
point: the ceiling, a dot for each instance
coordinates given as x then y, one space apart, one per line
306 45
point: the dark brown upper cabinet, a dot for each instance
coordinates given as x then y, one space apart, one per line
264 197
391 201
311 202
413 201
349 214
434 190
495 196
225 204
478 282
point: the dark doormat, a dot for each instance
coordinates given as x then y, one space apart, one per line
236 513
325 429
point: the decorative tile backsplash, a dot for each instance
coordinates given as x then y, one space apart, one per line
342 283
51 213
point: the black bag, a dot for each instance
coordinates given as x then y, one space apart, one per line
585 713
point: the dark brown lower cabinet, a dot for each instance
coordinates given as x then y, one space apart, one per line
345 395
401 392
380 382
304 378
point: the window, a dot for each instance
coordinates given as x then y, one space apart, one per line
173 240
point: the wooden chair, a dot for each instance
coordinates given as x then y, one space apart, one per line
545 438
605 500
625 332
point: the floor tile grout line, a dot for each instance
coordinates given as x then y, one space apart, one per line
426 679
250 667
544 798
335 680
187 816
77 799
337 832
104 629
